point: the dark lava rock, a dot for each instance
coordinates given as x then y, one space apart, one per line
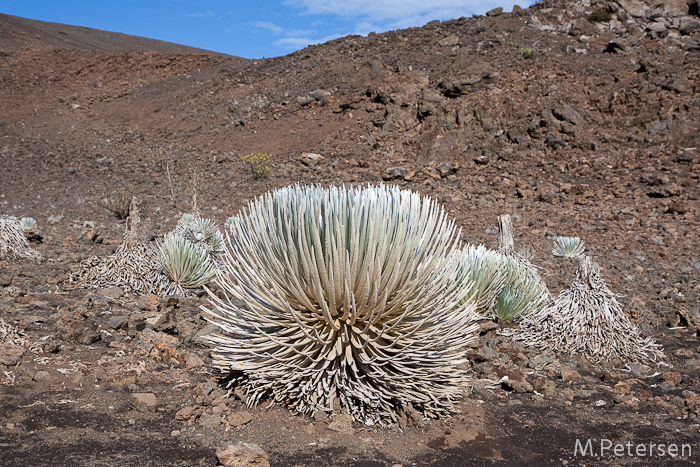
472 77
84 332
167 323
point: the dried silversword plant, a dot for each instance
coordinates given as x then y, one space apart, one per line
587 319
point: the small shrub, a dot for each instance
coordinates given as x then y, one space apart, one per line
118 205
233 106
529 53
259 102
258 164
600 15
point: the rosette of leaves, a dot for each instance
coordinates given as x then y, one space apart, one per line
31 229
186 219
568 247
28 224
344 299
524 291
202 232
186 264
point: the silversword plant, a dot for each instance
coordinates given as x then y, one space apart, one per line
586 319
505 284
202 232
134 266
28 223
568 247
344 299
187 265
486 276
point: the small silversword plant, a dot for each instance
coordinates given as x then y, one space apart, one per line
187 265
568 247
28 223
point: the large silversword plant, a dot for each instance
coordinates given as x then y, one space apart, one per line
344 300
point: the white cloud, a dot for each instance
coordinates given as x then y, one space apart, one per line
380 15
393 9
296 43
365 16
279 30
201 15
269 26
293 39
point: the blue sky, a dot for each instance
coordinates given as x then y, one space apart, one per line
250 29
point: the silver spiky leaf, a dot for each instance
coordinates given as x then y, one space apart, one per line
568 247
344 299
524 293
186 219
230 222
486 277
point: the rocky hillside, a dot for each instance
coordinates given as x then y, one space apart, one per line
19 33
